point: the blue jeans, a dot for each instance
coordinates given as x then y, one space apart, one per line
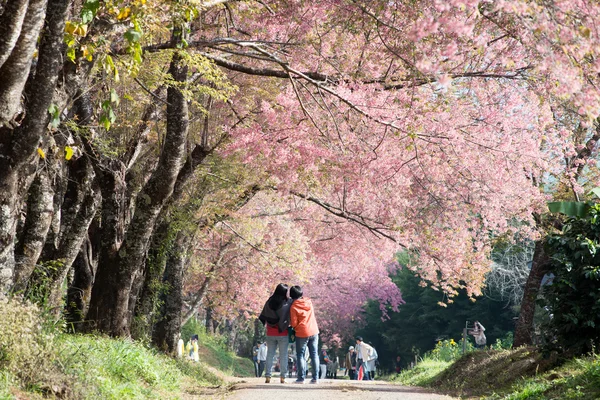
366 376
282 342
301 344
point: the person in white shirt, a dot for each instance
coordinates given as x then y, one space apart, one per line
364 353
262 358
478 334
371 363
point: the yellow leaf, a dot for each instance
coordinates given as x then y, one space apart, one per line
41 152
124 13
70 27
81 30
585 31
68 152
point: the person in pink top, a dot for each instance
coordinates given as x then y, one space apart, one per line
276 317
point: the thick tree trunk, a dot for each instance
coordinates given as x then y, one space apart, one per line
79 291
11 22
39 217
160 244
18 147
167 329
15 68
145 309
539 267
109 305
209 323
70 246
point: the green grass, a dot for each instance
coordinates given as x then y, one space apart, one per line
422 374
521 374
96 367
116 368
212 352
577 379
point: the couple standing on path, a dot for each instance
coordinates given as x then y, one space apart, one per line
281 312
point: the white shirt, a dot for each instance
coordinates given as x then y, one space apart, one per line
262 353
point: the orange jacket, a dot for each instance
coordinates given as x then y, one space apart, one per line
302 318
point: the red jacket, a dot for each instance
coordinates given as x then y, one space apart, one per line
302 318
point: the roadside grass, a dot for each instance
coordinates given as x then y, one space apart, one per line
576 379
422 374
39 362
520 374
104 368
212 352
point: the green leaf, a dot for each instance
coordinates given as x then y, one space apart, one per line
54 115
92 5
86 16
114 97
105 122
570 208
71 54
133 35
596 192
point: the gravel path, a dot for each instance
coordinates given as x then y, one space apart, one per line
329 389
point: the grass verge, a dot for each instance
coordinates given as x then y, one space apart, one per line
520 374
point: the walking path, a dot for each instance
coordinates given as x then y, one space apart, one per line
329 389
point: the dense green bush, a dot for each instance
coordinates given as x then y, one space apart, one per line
573 297
25 346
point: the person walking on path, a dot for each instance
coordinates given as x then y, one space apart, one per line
302 319
255 357
323 361
262 358
351 363
276 317
477 332
364 353
372 363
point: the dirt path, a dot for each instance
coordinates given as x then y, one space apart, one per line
329 389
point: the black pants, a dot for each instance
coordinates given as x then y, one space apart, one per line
261 367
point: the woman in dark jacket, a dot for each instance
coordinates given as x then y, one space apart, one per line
276 317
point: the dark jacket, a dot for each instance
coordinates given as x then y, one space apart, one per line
279 317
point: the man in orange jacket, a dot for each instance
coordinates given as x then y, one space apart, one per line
302 319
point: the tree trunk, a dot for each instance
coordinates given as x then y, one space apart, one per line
39 216
15 68
167 329
18 147
539 267
70 246
109 305
11 22
79 291
208 324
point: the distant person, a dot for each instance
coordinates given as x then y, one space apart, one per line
276 317
323 362
195 354
477 332
372 363
351 363
290 366
262 358
364 353
180 347
333 366
397 365
189 348
255 357
302 319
